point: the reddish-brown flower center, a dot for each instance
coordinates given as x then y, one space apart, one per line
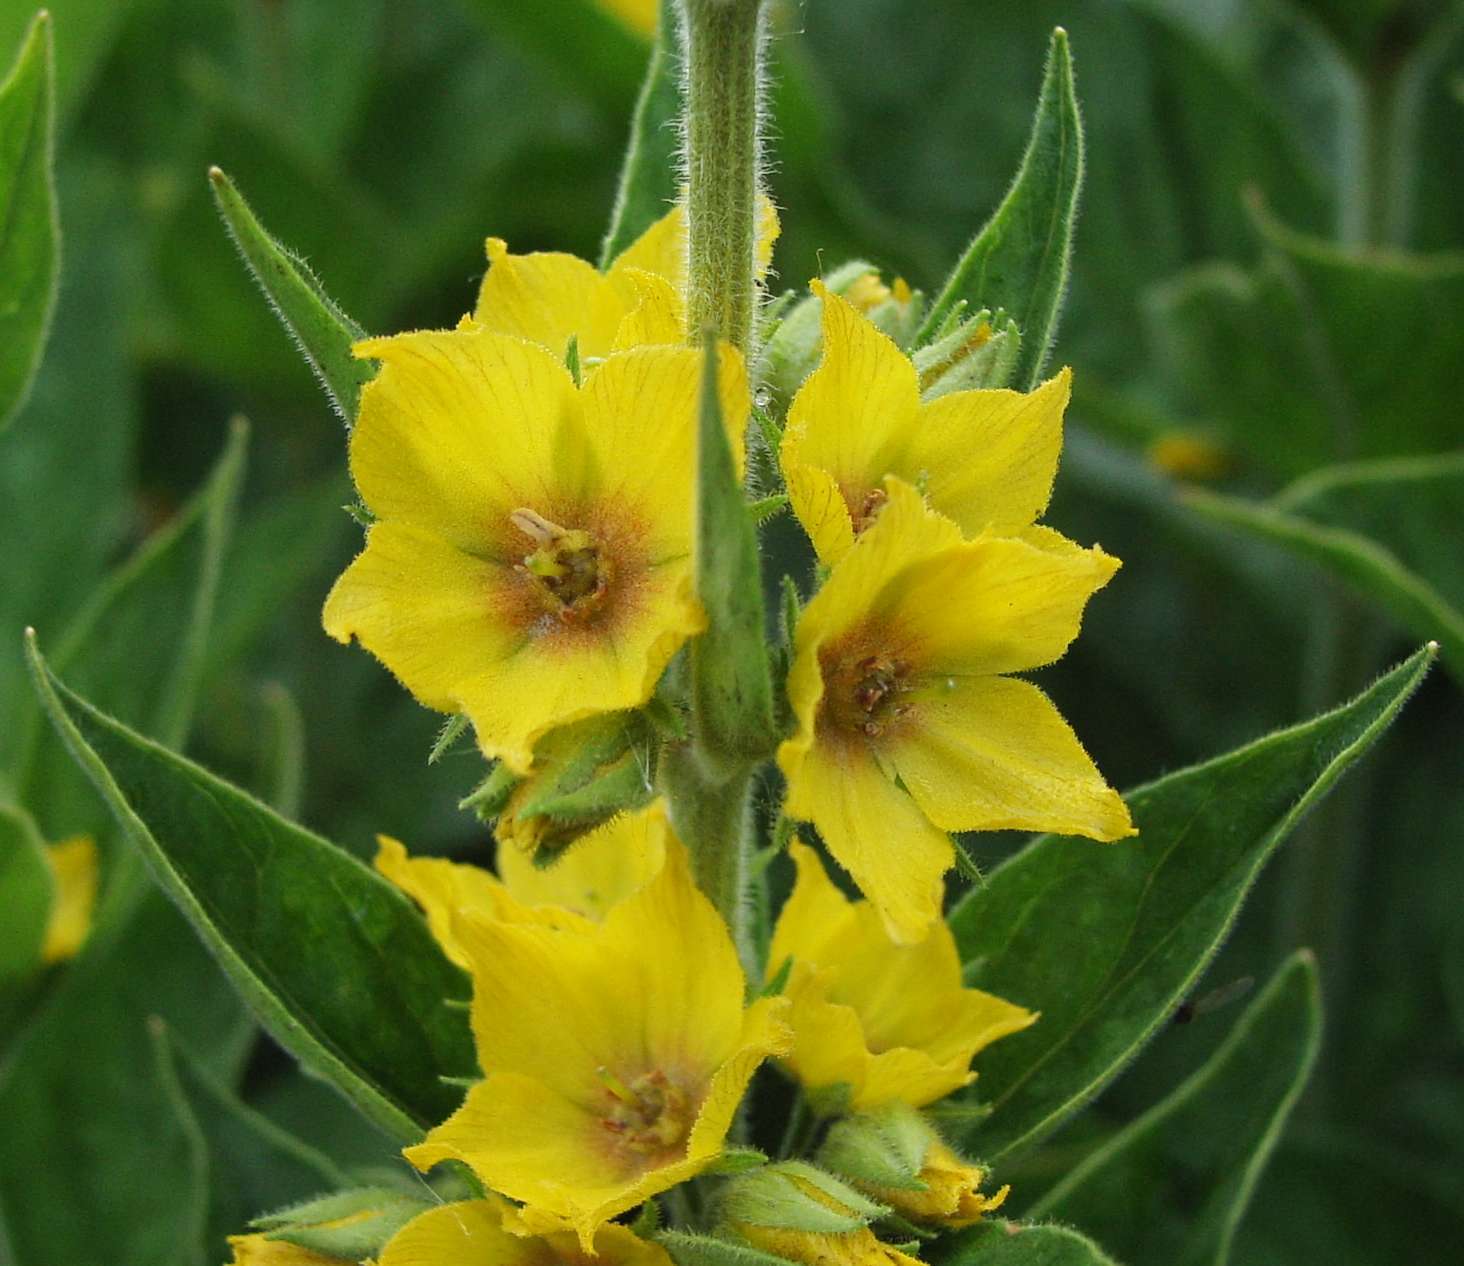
862 692
649 1116
569 570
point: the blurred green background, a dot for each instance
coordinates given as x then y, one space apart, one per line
1267 261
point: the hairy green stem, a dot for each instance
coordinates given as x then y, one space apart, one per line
723 50
712 816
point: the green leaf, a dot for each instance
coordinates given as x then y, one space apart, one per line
336 962
648 175
30 235
732 693
1172 1186
95 1151
27 889
1105 940
139 643
1386 528
321 331
1011 1244
1320 354
1019 261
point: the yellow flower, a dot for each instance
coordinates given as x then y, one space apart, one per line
949 1194
550 297
596 873
616 1054
481 1233
74 870
907 728
890 1022
530 563
984 458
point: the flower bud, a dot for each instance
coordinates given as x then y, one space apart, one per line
896 1157
346 1226
799 1212
979 352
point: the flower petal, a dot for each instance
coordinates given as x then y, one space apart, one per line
656 314
74 871
988 458
465 1233
992 753
548 297
459 428
873 829
855 416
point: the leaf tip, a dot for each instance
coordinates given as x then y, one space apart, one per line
216 175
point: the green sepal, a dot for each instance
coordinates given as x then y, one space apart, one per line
648 175
321 331
778 1196
364 1237
951 364
1019 260
584 774
765 508
886 1148
731 688
30 245
738 1160
452 729
489 796
649 1220
778 981
687 1248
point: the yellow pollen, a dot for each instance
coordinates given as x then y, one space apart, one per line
571 575
651 1115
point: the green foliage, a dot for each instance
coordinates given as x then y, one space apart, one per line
334 960
1018 262
1383 527
1008 1244
1171 1187
1106 939
648 172
30 236
321 331
28 888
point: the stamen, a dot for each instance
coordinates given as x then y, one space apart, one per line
573 577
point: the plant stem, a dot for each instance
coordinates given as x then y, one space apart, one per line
723 53
711 815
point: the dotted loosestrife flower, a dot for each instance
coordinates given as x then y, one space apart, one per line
595 874
483 1233
530 563
891 1022
907 728
73 865
984 458
616 1055
550 297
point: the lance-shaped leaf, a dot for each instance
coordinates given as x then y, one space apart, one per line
648 173
1018 262
1105 940
335 962
1387 528
1011 1244
1171 1187
321 331
30 237
732 695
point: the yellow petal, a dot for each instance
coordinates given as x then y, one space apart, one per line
873 829
640 410
656 316
596 872
661 250
459 428
74 872
256 1250
426 609
994 605
992 753
466 1233
548 298
988 458
812 918
821 509
855 416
